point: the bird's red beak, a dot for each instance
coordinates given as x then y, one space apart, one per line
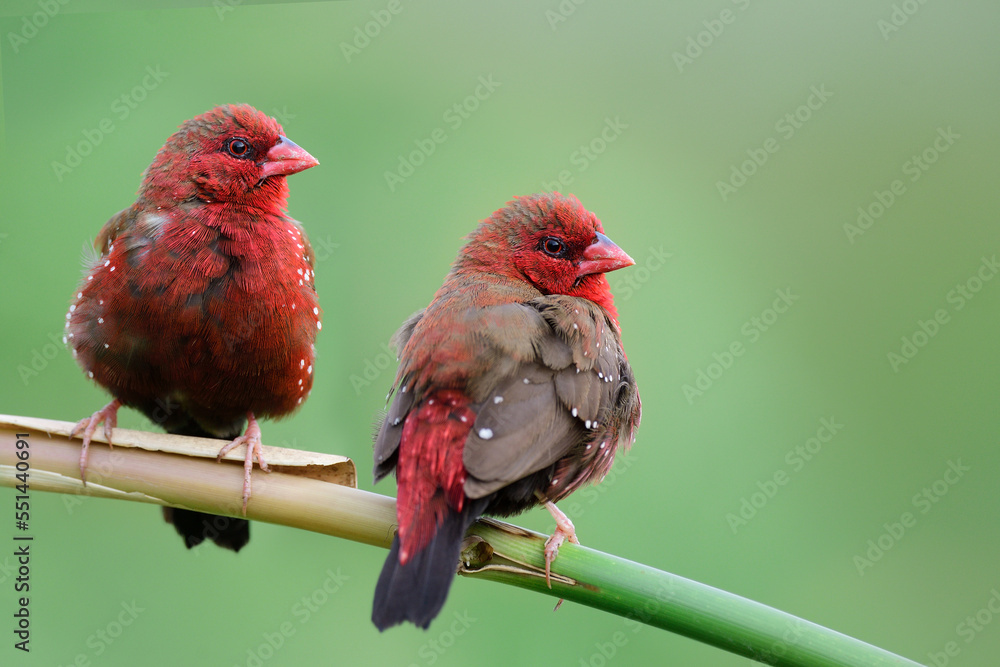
286 157
602 256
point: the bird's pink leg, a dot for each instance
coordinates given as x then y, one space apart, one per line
109 415
565 530
250 438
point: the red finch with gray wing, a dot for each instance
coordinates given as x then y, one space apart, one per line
513 390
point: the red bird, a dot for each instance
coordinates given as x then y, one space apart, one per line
200 310
513 390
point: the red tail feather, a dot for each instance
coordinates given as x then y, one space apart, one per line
430 470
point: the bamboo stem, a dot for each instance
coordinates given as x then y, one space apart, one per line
186 476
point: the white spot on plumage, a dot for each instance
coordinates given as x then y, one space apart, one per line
497 400
396 421
603 444
79 295
430 402
111 269
293 306
574 412
600 375
65 340
575 325
589 446
90 277
300 272
587 423
310 369
106 346
71 309
527 381
485 433
464 419
300 381
315 311
107 262
100 320
90 374
302 363
100 302
299 401
319 325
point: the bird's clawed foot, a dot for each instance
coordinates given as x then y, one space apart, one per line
88 426
250 438
565 530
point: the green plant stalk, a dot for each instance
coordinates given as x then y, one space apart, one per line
493 550
646 595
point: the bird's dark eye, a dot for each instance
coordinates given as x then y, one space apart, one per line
554 247
238 148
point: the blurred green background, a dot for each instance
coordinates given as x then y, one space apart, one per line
727 146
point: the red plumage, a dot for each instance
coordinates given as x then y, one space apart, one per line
513 390
200 310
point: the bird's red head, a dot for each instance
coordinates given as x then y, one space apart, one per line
552 242
231 154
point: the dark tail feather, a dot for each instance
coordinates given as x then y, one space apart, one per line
415 592
196 527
